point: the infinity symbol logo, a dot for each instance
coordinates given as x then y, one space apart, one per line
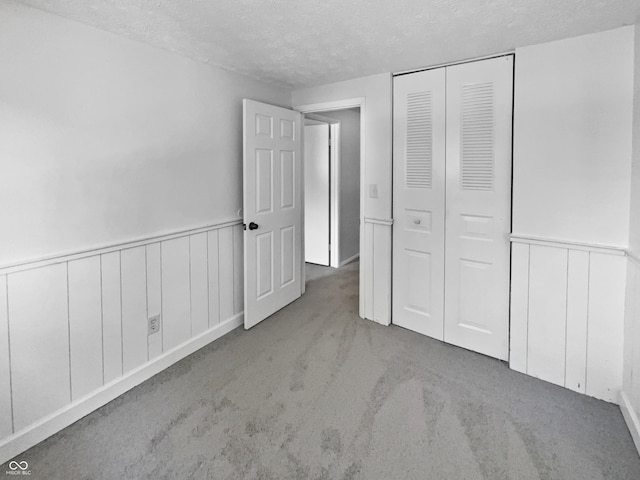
18 465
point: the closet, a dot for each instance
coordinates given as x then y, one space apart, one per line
452 203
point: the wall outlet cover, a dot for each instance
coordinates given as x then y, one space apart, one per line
153 325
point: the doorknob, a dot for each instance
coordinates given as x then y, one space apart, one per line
253 226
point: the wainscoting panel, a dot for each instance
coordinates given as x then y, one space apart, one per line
134 308
225 272
630 396
577 316
607 279
375 268
176 296
547 313
39 333
199 287
567 313
74 329
519 306
382 268
154 296
214 281
238 269
6 422
111 316
85 326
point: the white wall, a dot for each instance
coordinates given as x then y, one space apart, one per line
103 139
571 195
376 90
375 241
349 182
630 398
572 138
634 219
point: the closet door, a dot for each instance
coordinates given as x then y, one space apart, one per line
478 205
418 202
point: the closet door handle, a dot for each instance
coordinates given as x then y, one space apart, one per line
253 226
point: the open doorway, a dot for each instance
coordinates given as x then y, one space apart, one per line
332 152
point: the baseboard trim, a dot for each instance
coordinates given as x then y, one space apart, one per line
44 428
631 417
349 260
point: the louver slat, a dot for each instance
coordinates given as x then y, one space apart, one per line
477 158
419 138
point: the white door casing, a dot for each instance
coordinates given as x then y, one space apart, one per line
419 202
478 204
272 198
316 191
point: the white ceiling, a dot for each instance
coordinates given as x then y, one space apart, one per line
297 43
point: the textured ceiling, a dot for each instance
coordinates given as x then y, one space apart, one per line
297 43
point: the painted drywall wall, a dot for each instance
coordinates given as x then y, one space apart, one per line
571 194
634 219
376 90
104 139
349 182
630 398
572 138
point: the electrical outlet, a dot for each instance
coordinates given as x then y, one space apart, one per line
154 325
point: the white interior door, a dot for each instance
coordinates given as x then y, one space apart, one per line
478 204
316 194
419 202
272 185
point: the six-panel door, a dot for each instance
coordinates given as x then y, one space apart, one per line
272 209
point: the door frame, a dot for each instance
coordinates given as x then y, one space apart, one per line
357 102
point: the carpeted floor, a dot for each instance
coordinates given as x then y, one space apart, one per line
314 392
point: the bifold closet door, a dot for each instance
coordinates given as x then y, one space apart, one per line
478 205
419 202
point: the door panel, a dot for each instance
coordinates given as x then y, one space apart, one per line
272 201
419 202
316 194
478 205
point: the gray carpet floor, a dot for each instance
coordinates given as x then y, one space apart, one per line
314 392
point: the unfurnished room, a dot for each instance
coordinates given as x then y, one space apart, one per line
269 239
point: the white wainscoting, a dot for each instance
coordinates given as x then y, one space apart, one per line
375 270
567 314
630 395
73 329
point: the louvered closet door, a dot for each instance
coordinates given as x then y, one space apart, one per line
478 203
418 202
